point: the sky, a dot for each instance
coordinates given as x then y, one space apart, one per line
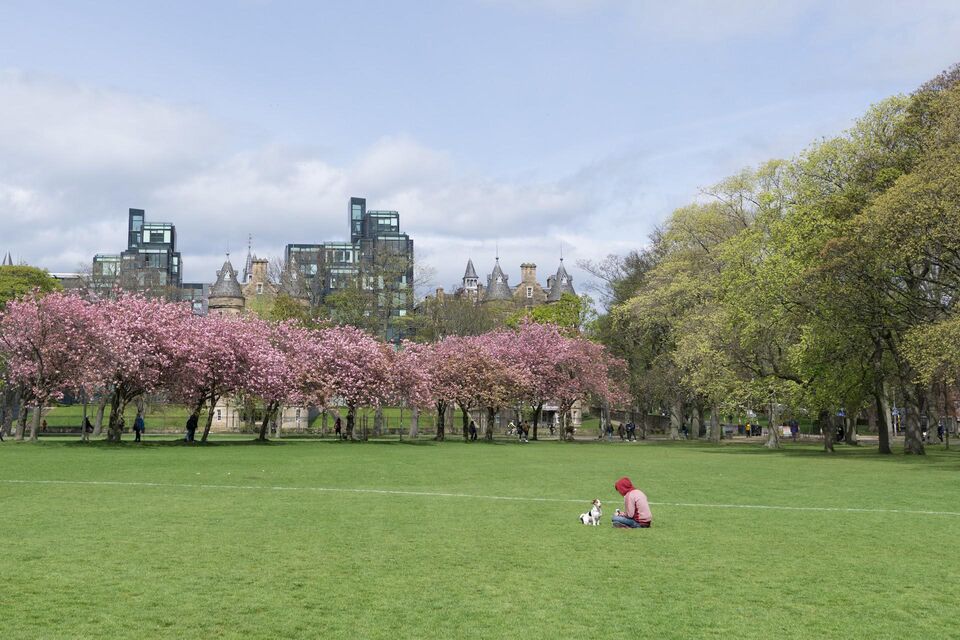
525 127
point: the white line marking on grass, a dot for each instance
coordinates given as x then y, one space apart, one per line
437 494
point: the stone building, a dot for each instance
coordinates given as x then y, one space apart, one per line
528 293
226 297
258 291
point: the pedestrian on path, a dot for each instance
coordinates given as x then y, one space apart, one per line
191 427
138 427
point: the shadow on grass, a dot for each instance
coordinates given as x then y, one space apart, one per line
935 455
171 443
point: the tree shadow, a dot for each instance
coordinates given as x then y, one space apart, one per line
170 443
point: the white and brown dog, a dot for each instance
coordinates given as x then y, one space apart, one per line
592 516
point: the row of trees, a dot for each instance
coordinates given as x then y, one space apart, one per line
120 350
829 281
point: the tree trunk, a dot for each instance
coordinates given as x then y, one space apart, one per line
441 420
537 413
268 410
465 416
883 428
6 411
249 412
491 417
825 423
21 420
209 421
915 406
773 429
351 420
101 409
700 425
118 404
850 429
565 427
676 418
414 422
35 423
378 421
715 429
872 425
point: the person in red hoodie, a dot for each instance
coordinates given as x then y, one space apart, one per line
636 510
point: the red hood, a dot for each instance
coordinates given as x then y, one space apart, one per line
624 486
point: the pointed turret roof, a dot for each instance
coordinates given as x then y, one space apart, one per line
562 283
8 260
470 272
497 287
226 285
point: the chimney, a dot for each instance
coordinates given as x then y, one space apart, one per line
528 272
259 271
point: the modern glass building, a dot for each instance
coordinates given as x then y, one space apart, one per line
150 264
378 259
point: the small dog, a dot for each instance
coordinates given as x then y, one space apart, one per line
592 516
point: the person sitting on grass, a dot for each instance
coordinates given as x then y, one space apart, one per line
636 510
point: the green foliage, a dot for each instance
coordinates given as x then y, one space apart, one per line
16 281
286 307
570 312
823 281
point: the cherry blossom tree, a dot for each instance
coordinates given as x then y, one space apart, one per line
45 341
537 347
506 375
137 342
584 369
356 368
212 361
281 368
412 380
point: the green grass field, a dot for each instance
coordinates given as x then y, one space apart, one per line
292 540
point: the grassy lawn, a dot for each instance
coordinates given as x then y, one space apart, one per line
157 415
237 540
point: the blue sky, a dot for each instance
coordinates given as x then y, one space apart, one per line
523 124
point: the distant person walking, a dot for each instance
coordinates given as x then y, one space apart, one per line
636 510
87 426
138 427
337 428
192 427
473 430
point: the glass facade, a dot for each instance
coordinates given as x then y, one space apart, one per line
378 258
151 264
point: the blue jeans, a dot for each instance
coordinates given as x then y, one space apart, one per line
627 522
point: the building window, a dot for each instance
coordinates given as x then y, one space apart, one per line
529 292
259 288
219 416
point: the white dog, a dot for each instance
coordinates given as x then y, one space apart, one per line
592 516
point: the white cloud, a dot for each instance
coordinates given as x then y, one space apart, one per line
76 129
77 157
